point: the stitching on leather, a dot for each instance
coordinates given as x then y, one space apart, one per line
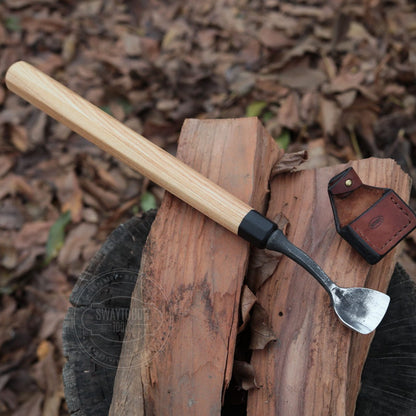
401 229
395 235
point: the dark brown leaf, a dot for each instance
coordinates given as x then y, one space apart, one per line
70 195
273 38
76 240
45 371
32 234
260 328
262 265
20 138
6 163
243 374
301 75
13 184
330 115
248 299
108 199
289 162
32 406
288 115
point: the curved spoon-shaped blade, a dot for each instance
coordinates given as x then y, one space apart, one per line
359 308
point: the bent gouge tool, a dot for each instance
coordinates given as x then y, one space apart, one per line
360 309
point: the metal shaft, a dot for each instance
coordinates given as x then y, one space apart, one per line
279 242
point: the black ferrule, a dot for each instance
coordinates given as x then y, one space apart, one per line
256 229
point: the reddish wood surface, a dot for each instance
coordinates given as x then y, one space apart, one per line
177 355
314 367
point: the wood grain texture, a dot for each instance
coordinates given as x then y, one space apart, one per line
120 141
314 368
179 359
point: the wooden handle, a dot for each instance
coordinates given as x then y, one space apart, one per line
133 149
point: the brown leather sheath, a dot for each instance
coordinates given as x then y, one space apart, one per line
373 220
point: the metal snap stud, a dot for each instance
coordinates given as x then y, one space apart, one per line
348 182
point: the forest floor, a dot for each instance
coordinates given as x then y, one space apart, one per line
334 77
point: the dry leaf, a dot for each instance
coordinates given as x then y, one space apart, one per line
132 44
27 259
13 184
309 107
51 322
6 163
37 126
31 407
288 115
319 13
2 90
33 233
70 195
301 75
263 263
346 99
48 63
89 9
43 349
282 21
345 81
45 371
20 138
242 82
69 47
11 217
109 199
9 306
243 374
273 38
8 258
260 328
76 240
330 114
248 299
289 162
52 404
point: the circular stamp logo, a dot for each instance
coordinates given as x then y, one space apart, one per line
114 313
376 222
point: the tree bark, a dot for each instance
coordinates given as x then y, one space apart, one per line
314 367
178 350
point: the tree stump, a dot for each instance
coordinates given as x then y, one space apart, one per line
388 382
388 387
178 347
92 342
177 354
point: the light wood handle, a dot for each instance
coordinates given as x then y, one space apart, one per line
133 149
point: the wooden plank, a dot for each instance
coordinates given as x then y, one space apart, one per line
177 356
314 367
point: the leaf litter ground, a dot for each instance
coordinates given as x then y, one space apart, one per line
334 78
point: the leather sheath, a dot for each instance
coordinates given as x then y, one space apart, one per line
373 220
